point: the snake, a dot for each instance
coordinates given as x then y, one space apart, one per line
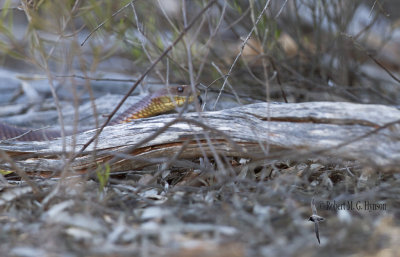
158 102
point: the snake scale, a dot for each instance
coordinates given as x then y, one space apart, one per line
160 101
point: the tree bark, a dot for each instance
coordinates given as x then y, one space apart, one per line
367 133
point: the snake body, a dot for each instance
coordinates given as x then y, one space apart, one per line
161 101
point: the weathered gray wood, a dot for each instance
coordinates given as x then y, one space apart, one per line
302 127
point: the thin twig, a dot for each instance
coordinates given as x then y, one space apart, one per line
383 67
373 58
36 190
142 42
241 50
95 79
101 24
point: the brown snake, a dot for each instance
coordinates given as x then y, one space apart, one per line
161 101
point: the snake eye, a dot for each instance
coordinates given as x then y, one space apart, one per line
180 89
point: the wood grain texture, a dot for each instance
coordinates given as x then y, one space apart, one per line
253 131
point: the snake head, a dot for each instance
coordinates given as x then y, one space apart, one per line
180 95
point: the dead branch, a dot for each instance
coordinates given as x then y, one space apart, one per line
321 128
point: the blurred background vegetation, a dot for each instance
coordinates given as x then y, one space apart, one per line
303 50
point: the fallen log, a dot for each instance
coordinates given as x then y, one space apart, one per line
367 133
